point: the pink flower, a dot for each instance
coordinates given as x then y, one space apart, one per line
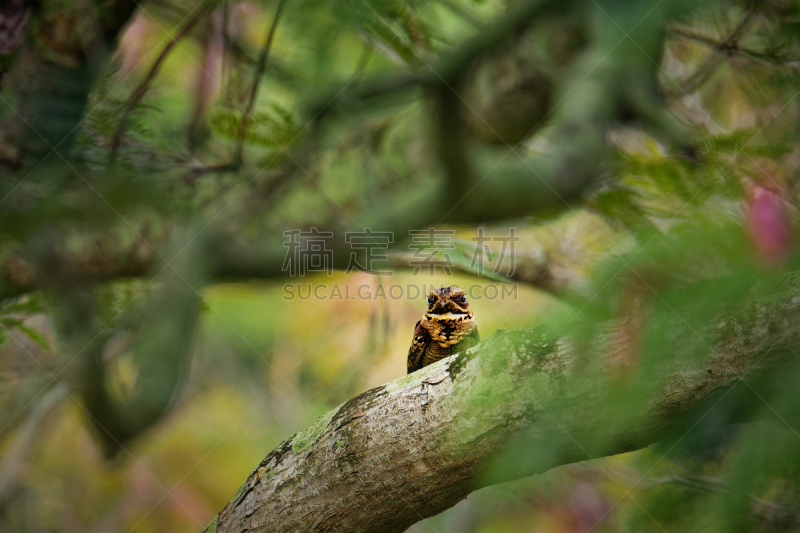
769 224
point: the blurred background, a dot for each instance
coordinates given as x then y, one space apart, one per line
153 155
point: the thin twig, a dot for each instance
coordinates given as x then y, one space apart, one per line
445 70
226 40
141 90
713 61
768 57
195 173
251 100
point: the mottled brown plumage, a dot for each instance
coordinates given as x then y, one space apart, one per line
448 327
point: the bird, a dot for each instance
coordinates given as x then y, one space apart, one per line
447 328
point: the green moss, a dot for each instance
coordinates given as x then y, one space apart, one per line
491 389
340 443
306 438
212 526
539 386
239 491
267 472
415 378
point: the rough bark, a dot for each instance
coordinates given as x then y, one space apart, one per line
414 447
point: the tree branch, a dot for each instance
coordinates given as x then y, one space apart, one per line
556 257
251 98
716 58
772 57
414 447
141 90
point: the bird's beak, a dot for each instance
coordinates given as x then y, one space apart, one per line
441 306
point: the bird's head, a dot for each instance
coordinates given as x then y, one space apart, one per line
448 302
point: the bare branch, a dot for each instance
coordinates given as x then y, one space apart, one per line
261 67
714 60
772 57
143 87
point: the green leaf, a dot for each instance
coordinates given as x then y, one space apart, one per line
34 335
274 128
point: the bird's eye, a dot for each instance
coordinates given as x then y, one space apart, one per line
462 299
431 299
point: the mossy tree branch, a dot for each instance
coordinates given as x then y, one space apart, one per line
414 447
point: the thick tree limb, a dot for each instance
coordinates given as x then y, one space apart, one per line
414 447
556 257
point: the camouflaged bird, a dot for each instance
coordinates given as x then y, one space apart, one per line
448 327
